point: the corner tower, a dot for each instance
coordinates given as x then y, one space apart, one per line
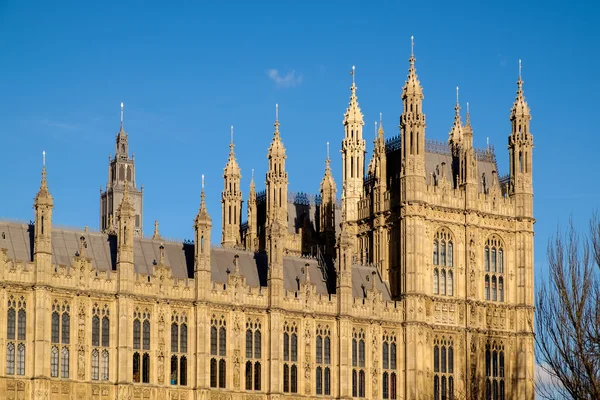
353 157
231 199
121 171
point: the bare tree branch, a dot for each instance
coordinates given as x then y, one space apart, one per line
568 316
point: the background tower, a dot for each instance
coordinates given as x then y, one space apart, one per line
121 170
231 199
327 209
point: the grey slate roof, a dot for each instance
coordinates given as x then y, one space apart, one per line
17 238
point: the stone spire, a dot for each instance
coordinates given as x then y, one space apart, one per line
456 132
251 234
202 227
328 183
156 234
353 156
231 199
277 178
43 205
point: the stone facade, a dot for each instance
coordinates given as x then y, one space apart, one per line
417 285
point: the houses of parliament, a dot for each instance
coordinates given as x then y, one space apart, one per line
417 284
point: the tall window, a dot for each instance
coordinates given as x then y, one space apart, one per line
141 346
179 349
100 342
218 351
389 381
16 326
61 338
290 358
443 369
494 270
323 358
253 355
494 371
443 261
358 363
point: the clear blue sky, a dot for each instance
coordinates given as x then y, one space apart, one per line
189 70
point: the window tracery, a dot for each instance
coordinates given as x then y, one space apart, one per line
323 360
389 381
443 368
218 351
494 371
179 348
358 362
443 261
16 326
60 339
100 342
141 343
253 354
290 357
493 261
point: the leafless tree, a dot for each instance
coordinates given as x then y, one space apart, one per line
568 316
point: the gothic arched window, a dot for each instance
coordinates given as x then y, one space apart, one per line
290 357
494 270
61 334
358 363
141 331
389 366
218 350
16 327
443 261
253 353
100 341
323 359
494 370
178 349
443 368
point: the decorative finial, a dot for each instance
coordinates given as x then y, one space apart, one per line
520 67
380 118
328 150
467 107
412 46
202 181
457 95
231 134
375 128
122 105
252 173
276 112
352 73
44 158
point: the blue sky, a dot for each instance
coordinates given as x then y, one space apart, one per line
188 71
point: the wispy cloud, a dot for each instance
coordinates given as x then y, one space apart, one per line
59 125
288 80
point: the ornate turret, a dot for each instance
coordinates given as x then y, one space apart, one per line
126 227
202 226
277 178
353 157
520 146
121 169
43 205
455 137
231 200
380 245
327 208
412 132
251 233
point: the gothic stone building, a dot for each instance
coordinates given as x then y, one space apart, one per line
417 285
